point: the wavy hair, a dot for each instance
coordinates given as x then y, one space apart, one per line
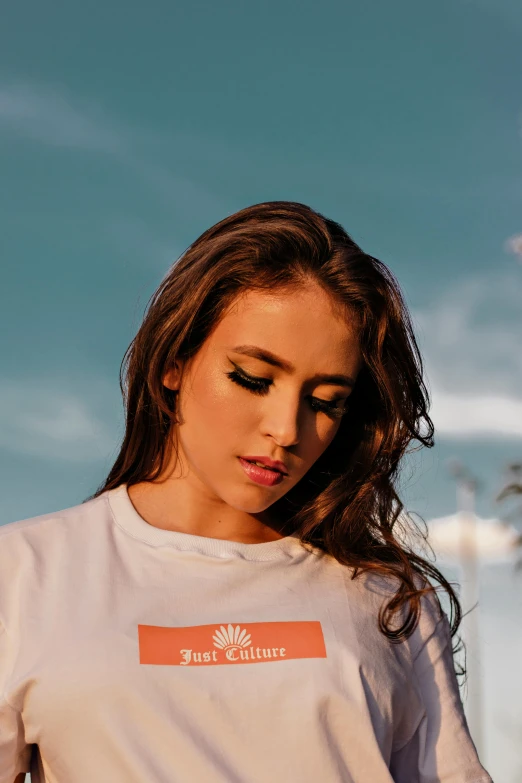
346 504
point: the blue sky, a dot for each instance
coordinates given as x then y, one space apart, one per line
127 130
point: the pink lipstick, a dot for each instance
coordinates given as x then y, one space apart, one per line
268 477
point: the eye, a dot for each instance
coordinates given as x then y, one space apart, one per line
261 386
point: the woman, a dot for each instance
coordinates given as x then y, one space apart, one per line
236 602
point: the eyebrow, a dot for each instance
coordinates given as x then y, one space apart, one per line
270 358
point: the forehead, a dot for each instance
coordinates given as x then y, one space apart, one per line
306 326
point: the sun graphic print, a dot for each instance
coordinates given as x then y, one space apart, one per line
231 637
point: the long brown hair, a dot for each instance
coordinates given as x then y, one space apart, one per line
347 504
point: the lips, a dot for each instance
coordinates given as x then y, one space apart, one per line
268 463
265 476
261 465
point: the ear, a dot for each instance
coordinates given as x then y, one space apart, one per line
171 379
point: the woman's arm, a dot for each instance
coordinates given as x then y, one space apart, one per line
441 749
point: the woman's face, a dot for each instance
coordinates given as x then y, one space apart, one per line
291 415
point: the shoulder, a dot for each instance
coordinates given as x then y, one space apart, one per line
40 555
81 509
370 593
35 535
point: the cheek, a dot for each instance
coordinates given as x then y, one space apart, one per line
226 397
209 428
232 401
217 408
322 439
325 432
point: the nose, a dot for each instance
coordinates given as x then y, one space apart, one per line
282 420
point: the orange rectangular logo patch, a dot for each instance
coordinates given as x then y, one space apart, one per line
209 645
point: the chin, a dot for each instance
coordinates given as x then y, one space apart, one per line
247 506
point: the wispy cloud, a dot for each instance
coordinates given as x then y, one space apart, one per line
466 415
514 245
39 420
471 342
57 118
53 116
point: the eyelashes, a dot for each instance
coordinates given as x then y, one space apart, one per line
261 386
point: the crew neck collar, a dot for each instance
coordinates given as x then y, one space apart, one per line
127 518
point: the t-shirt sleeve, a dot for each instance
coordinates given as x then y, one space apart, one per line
441 749
15 753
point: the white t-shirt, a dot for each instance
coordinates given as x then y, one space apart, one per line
133 654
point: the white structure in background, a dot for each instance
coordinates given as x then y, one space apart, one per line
466 540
